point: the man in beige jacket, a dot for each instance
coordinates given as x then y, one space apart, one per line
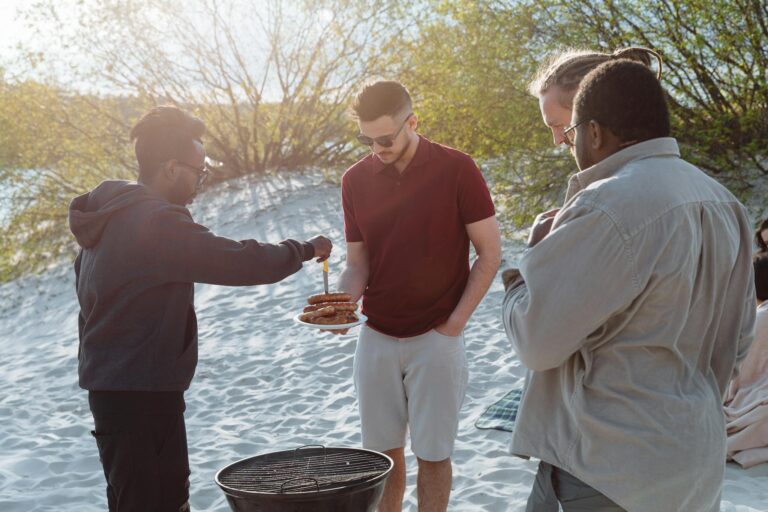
634 303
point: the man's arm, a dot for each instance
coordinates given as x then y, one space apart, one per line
486 240
184 251
573 281
354 277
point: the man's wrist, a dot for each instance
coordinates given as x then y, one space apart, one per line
456 322
308 251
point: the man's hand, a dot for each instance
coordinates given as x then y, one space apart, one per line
541 226
450 327
354 277
322 246
338 331
509 276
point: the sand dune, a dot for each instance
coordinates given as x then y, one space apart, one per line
263 383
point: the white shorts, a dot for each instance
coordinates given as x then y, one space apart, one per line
416 382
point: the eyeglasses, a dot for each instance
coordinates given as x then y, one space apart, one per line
384 141
570 133
202 173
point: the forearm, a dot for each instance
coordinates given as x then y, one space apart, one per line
354 280
247 262
480 278
184 251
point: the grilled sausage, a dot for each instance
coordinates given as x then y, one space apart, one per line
310 316
329 297
338 319
338 306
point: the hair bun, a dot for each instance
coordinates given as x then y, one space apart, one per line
639 54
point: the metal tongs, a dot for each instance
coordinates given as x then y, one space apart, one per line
325 276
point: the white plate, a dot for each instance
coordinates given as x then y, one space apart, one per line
361 319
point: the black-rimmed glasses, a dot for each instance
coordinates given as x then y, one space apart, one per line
569 134
202 173
385 141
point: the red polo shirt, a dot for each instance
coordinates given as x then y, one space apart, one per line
414 228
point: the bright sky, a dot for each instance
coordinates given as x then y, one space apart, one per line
10 30
14 30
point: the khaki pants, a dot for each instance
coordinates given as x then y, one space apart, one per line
555 488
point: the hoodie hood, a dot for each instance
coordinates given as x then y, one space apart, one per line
90 212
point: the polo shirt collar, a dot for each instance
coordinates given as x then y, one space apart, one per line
423 152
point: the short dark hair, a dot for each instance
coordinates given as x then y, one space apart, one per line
383 98
625 97
760 264
758 236
164 133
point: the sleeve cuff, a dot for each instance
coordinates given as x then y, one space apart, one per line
308 251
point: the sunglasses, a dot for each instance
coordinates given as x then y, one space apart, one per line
385 141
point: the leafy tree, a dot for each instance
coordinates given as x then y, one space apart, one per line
470 63
271 78
50 151
716 72
469 68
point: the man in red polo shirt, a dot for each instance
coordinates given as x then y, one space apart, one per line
411 208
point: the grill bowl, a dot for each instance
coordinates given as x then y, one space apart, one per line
317 479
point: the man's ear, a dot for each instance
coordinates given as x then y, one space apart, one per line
413 122
597 134
169 170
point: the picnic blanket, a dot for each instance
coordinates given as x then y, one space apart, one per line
502 414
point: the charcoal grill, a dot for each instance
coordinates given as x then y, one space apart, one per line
310 478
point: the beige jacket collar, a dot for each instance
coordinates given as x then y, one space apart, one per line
664 146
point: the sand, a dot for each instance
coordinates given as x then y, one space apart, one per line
263 382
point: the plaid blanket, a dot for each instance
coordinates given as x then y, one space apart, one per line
502 414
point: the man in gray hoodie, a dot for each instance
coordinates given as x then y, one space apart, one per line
634 303
141 255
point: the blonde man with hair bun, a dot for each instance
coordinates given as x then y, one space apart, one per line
557 81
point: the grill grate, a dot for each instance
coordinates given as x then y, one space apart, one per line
308 469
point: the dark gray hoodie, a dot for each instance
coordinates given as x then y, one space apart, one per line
140 258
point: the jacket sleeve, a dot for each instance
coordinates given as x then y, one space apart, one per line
573 281
184 251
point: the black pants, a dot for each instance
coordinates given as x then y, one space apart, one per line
142 442
555 488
